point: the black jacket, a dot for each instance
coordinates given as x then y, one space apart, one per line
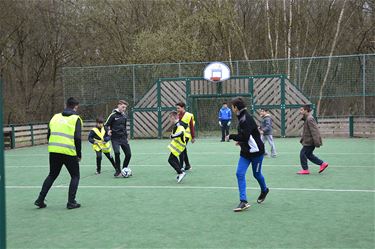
117 123
180 134
77 134
248 136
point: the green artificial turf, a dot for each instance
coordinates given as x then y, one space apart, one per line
150 210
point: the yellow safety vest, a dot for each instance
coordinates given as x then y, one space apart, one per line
177 145
62 129
186 119
101 145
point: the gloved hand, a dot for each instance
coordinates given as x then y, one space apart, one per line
229 123
220 124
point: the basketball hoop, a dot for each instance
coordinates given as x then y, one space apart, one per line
216 72
215 78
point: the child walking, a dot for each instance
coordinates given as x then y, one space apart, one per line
99 138
177 145
266 131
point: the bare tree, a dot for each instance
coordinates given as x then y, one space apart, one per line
318 106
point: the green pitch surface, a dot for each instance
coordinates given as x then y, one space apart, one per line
150 210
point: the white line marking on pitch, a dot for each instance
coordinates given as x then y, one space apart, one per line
210 153
197 187
195 165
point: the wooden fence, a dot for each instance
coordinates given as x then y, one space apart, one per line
347 126
17 136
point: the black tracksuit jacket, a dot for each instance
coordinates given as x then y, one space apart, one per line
248 136
117 123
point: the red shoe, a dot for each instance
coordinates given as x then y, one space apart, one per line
303 172
323 167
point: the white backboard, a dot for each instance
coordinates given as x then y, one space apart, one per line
216 70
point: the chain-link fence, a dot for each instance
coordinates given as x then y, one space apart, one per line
339 85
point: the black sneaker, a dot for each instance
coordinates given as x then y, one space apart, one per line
118 174
72 205
263 195
187 168
242 206
40 204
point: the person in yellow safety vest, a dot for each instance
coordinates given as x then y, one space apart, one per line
64 147
186 120
177 145
99 138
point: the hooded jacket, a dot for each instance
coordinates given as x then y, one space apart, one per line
248 136
266 125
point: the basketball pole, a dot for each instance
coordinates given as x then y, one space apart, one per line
2 175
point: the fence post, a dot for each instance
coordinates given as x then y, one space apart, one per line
194 111
351 126
131 124
313 106
160 128
251 91
299 72
188 92
32 134
2 176
282 106
12 138
133 76
364 83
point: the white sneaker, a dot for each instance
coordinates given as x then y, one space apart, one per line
180 177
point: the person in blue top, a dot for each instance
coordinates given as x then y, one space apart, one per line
225 117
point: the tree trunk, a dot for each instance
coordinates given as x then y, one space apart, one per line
269 29
289 45
318 107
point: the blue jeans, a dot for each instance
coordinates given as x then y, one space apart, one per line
243 165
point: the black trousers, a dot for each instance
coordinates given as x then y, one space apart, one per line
56 161
184 157
116 144
99 160
307 153
173 161
224 129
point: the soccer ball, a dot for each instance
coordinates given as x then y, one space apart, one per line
126 172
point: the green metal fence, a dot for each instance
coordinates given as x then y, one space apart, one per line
341 85
273 92
2 176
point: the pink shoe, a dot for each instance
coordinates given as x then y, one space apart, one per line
323 167
303 172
